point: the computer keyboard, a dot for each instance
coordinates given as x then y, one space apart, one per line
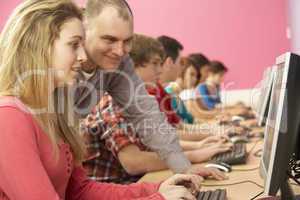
212 195
237 156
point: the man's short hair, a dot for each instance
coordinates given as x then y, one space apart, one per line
94 8
199 60
143 48
171 46
217 67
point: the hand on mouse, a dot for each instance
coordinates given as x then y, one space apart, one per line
207 172
219 147
234 129
216 138
212 139
207 152
181 186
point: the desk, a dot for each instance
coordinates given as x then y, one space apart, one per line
240 173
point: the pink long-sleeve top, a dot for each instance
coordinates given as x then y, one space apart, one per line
29 171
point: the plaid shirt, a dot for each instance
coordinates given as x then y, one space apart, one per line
106 133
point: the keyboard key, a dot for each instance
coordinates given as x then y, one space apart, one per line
223 195
238 155
212 195
201 195
215 195
207 195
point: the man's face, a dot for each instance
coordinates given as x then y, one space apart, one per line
151 70
217 78
172 69
176 68
108 38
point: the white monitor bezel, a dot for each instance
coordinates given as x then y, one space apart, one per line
285 58
264 101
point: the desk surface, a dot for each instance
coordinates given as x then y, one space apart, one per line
244 182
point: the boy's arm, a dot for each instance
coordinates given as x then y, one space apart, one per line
194 132
136 161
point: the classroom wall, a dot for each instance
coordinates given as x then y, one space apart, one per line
245 35
294 25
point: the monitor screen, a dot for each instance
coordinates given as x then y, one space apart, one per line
265 93
262 93
282 125
270 128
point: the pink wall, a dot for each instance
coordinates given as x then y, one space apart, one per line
245 35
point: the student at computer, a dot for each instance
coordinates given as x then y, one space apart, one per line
167 82
183 88
178 85
188 76
185 85
197 108
40 154
194 69
209 91
148 54
171 69
202 62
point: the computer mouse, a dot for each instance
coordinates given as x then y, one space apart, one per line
237 118
239 139
221 166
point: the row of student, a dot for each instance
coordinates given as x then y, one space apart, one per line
177 73
46 50
198 81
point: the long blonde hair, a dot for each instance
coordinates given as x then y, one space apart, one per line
26 45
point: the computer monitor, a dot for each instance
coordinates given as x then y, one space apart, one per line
265 95
262 87
282 126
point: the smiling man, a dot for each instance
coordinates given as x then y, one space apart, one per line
109 33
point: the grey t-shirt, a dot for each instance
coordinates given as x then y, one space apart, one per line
140 109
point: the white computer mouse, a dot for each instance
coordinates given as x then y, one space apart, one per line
221 166
239 139
237 118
